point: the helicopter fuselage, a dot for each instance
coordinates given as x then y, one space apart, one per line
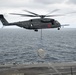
38 23
34 24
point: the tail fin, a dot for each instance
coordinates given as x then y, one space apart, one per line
3 20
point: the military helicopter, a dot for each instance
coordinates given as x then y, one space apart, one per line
42 22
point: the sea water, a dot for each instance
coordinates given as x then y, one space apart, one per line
21 45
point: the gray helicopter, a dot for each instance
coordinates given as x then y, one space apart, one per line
42 22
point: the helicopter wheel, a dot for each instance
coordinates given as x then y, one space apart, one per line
36 30
58 28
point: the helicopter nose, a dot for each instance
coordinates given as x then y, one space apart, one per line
59 24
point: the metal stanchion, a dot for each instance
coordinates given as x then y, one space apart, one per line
71 71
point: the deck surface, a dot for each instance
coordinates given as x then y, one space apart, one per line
68 68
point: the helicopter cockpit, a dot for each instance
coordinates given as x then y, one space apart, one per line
48 21
57 23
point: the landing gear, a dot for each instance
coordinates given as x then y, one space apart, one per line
58 28
36 30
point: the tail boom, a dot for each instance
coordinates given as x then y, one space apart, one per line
3 20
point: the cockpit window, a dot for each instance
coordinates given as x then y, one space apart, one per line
57 22
48 21
45 21
52 21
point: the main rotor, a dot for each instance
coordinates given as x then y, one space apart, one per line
32 14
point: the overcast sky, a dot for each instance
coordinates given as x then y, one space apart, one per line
40 7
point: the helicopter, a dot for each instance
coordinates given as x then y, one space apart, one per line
41 22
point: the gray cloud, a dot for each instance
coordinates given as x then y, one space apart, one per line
28 3
40 6
14 3
72 1
34 4
48 1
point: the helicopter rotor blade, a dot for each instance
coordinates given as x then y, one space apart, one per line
60 14
23 15
70 13
54 15
42 16
32 13
53 11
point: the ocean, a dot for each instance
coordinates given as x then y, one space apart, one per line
21 45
